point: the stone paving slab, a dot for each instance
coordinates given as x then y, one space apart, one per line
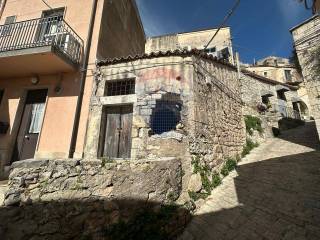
273 194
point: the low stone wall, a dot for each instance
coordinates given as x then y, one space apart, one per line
68 199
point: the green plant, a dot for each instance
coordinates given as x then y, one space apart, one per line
253 123
196 164
196 196
216 180
225 171
231 164
248 147
206 184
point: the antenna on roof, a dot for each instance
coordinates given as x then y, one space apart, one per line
224 22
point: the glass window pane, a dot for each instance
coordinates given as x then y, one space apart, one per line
36 118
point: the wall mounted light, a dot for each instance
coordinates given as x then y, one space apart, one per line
35 80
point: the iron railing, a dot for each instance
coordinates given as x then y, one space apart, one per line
49 31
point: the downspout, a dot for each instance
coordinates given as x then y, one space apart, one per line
2 5
82 81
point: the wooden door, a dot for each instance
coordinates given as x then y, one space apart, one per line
30 125
117 133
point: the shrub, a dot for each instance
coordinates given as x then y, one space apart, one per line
253 123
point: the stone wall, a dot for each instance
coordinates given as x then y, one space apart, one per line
192 40
252 89
203 97
67 199
217 132
306 39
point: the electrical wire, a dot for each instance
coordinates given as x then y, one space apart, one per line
47 4
223 22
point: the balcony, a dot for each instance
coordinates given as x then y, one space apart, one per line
39 46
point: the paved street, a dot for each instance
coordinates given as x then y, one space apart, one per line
273 194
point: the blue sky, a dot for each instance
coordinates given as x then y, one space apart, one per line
259 27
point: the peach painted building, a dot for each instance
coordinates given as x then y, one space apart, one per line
48 51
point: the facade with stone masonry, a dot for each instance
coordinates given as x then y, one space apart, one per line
68 199
220 47
306 41
269 100
43 70
184 104
141 141
282 70
276 68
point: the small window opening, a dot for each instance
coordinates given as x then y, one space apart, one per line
288 76
165 116
281 95
265 74
122 87
211 50
265 100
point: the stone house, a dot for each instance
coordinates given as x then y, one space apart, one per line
47 54
306 42
276 68
281 99
172 105
220 47
281 70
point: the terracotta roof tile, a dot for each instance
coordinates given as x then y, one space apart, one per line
187 53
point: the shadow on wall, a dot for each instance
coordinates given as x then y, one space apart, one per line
278 199
99 219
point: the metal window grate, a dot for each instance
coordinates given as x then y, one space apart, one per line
122 87
165 116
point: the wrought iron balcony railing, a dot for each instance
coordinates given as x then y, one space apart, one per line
50 31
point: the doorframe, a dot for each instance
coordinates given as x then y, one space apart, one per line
102 133
18 119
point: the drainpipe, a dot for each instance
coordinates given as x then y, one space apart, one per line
2 7
82 81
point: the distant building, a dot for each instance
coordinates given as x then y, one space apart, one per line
277 68
220 47
306 40
281 70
